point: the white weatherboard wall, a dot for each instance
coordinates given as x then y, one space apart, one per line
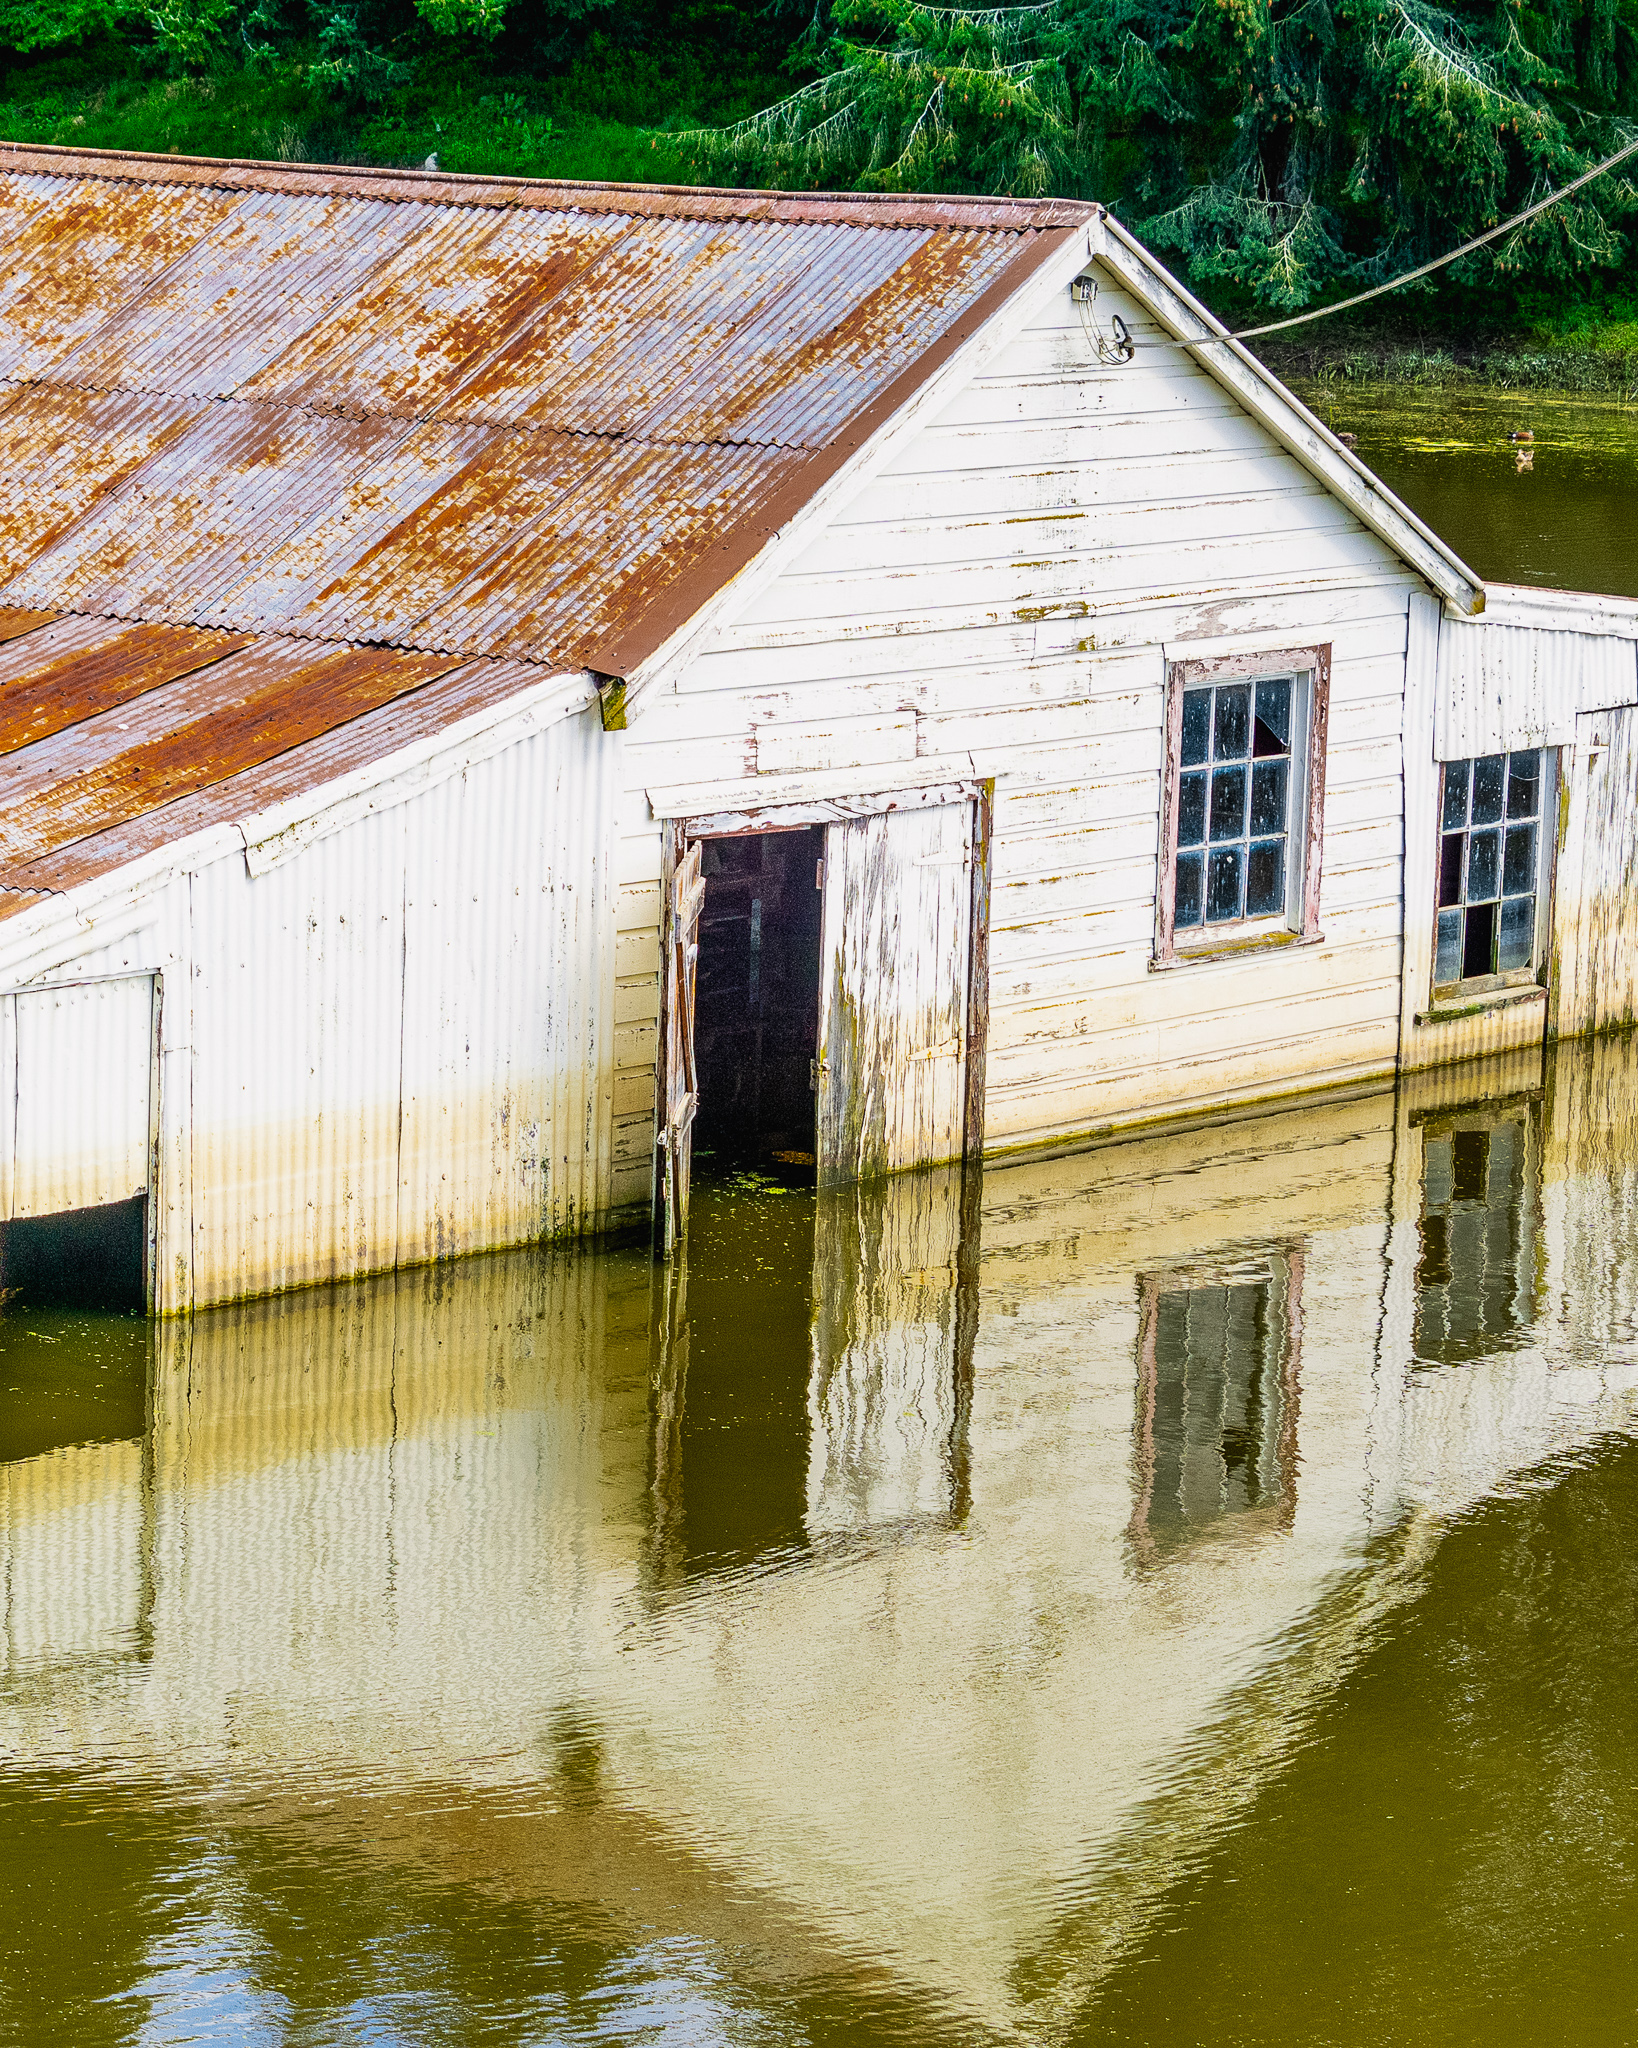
395 1043
1008 586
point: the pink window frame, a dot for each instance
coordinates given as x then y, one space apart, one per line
1315 664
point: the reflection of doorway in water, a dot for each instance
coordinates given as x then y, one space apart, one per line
756 1016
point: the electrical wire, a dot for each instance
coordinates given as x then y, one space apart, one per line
1426 269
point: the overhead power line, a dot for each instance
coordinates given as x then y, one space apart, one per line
1426 269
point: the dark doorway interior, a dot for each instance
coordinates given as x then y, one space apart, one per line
756 1015
84 1258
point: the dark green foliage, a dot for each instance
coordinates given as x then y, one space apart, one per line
1279 146
1277 150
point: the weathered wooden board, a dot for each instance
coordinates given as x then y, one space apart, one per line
894 965
678 1080
1594 982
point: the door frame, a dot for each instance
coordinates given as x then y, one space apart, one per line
681 833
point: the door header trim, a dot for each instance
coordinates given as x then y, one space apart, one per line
833 810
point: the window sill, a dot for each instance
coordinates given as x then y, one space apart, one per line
1475 1002
1234 948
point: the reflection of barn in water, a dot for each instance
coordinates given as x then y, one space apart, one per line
1478 1278
1218 1373
500 678
835 1649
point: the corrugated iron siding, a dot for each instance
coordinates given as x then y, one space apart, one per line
1502 687
507 1124
74 1081
355 1102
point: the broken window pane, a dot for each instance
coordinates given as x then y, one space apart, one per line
1242 810
1523 779
1273 729
1488 871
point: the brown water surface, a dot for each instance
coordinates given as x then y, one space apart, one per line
1183 1592
1561 510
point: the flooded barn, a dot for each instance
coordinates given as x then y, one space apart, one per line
504 680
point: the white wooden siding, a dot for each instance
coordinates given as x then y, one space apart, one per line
1015 577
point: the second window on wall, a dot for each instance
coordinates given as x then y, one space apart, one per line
1491 867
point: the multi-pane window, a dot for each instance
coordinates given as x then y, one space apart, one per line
1489 861
1237 777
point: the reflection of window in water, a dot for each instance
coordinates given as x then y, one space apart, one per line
1476 1274
1217 1402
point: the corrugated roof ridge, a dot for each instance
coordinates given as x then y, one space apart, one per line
454 188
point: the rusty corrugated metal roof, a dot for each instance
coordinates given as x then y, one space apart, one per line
469 423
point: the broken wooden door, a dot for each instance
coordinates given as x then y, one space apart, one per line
679 1083
1594 983
895 979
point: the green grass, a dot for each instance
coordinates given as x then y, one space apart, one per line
596 119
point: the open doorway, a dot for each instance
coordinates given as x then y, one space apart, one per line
756 1005
83 1258
824 992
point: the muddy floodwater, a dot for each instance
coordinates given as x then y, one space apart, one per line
1182 1592
1560 509
1186 1591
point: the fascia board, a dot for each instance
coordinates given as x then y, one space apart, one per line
51 932
276 834
1288 419
1058 265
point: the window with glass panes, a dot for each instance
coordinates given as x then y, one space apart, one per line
1489 860
1234 802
